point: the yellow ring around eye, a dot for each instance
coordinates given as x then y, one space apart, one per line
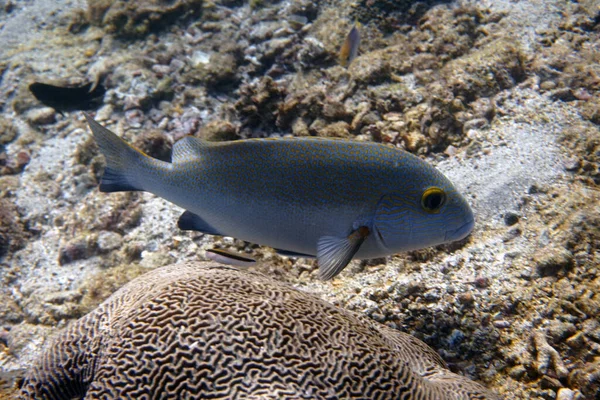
433 199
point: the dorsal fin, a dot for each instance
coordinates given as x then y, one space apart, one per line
188 148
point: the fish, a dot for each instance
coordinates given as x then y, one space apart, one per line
230 258
68 98
333 199
349 49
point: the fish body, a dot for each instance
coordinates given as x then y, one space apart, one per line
349 49
68 98
330 198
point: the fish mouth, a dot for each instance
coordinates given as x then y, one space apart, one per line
461 232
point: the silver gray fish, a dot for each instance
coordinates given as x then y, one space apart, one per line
349 49
330 198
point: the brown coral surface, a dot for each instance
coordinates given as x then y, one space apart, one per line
200 330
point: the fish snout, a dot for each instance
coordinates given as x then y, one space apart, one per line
462 231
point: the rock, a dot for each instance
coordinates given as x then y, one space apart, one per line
12 230
547 356
127 19
155 143
477 123
8 131
300 128
338 129
558 331
219 131
517 372
259 105
199 58
372 69
10 312
565 394
497 66
109 241
547 85
77 249
466 298
335 110
41 116
511 218
552 259
501 324
585 378
548 382
577 341
572 164
219 71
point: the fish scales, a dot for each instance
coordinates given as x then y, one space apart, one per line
288 175
330 198
281 188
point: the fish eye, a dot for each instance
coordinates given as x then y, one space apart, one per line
433 199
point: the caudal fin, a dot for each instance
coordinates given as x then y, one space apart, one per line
124 163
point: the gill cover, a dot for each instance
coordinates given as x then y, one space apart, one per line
392 219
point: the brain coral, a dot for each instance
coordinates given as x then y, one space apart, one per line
200 330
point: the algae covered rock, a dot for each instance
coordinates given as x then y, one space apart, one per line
138 18
12 230
497 66
8 132
390 13
202 330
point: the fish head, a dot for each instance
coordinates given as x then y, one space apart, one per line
427 212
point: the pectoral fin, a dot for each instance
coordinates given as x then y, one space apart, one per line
333 253
188 221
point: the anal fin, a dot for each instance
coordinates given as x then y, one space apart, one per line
188 221
334 253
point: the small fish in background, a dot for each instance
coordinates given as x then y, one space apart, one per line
332 199
69 98
349 49
230 258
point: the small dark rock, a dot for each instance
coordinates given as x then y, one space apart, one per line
572 164
22 159
548 382
511 218
535 189
512 234
466 298
518 372
76 250
482 282
563 94
9 7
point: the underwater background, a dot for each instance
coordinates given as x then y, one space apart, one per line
501 96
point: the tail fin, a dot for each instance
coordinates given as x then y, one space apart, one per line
124 163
